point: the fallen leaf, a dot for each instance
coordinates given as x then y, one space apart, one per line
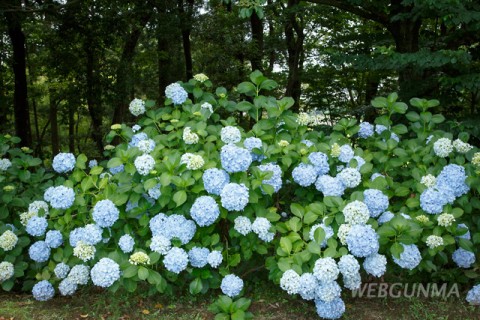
159 306
145 311
84 316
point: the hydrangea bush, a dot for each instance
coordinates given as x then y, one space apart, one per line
192 198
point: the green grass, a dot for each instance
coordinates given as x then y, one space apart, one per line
269 303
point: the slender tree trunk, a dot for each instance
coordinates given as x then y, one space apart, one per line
54 124
93 96
294 37
257 42
3 97
124 84
20 97
186 27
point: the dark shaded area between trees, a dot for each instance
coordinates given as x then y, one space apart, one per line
68 69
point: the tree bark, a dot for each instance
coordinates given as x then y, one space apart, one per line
186 27
54 124
294 37
71 129
257 42
20 97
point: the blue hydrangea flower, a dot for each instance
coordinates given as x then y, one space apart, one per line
362 240
330 186
328 291
230 135
276 180
242 225
67 287
385 217
433 200
366 130
330 310
467 234
174 226
176 260
155 192
290 281
198 257
63 162
376 201
350 177
320 161
463 258
234 197
328 233
214 180
348 266
326 269
376 175
360 162
146 146
36 226
39 251
61 270
60 197
176 93
308 143
126 243
452 178
235 159
375 264
231 285
205 211
160 244
254 143
473 296
105 213
304 174
54 239
90 234
409 258
379 128
117 169
105 272
307 286
215 258
92 163
346 153
43 291
80 274
136 138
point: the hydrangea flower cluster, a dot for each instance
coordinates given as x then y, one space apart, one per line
434 241
193 161
6 270
356 212
261 226
346 153
362 240
36 206
375 265
105 272
330 310
67 287
409 258
5 164
137 107
231 285
326 269
308 285
276 180
350 177
79 274
385 217
8 240
214 180
90 234
173 226
429 180
376 201
160 244
63 162
443 147
146 146
366 130
54 238
473 295
290 282
230 135
176 260
39 251
328 291
105 213
43 291
155 192
144 164
126 243
36 226
137 138
205 211
234 197
330 186
320 161
235 159
215 258
139 257
463 258
84 251
242 225
60 197
253 143
176 93
190 137
61 270
198 257
328 233
304 174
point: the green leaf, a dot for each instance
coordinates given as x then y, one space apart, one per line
286 244
238 315
114 162
130 272
142 273
396 249
196 286
297 210
180 197
247 88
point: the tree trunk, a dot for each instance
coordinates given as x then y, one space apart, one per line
20 97
294 37
93 96
186 27
257 42
124 84
3 97
54 124
71 129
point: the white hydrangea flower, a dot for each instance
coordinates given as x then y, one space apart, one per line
303 119
434 241
462 147
139 258
443 147
84 251
356 212
429 180
242 225
137 107
230 135
445 219
343 232
422 218
290 282
207 106
189 137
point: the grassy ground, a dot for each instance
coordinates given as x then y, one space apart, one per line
270 303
